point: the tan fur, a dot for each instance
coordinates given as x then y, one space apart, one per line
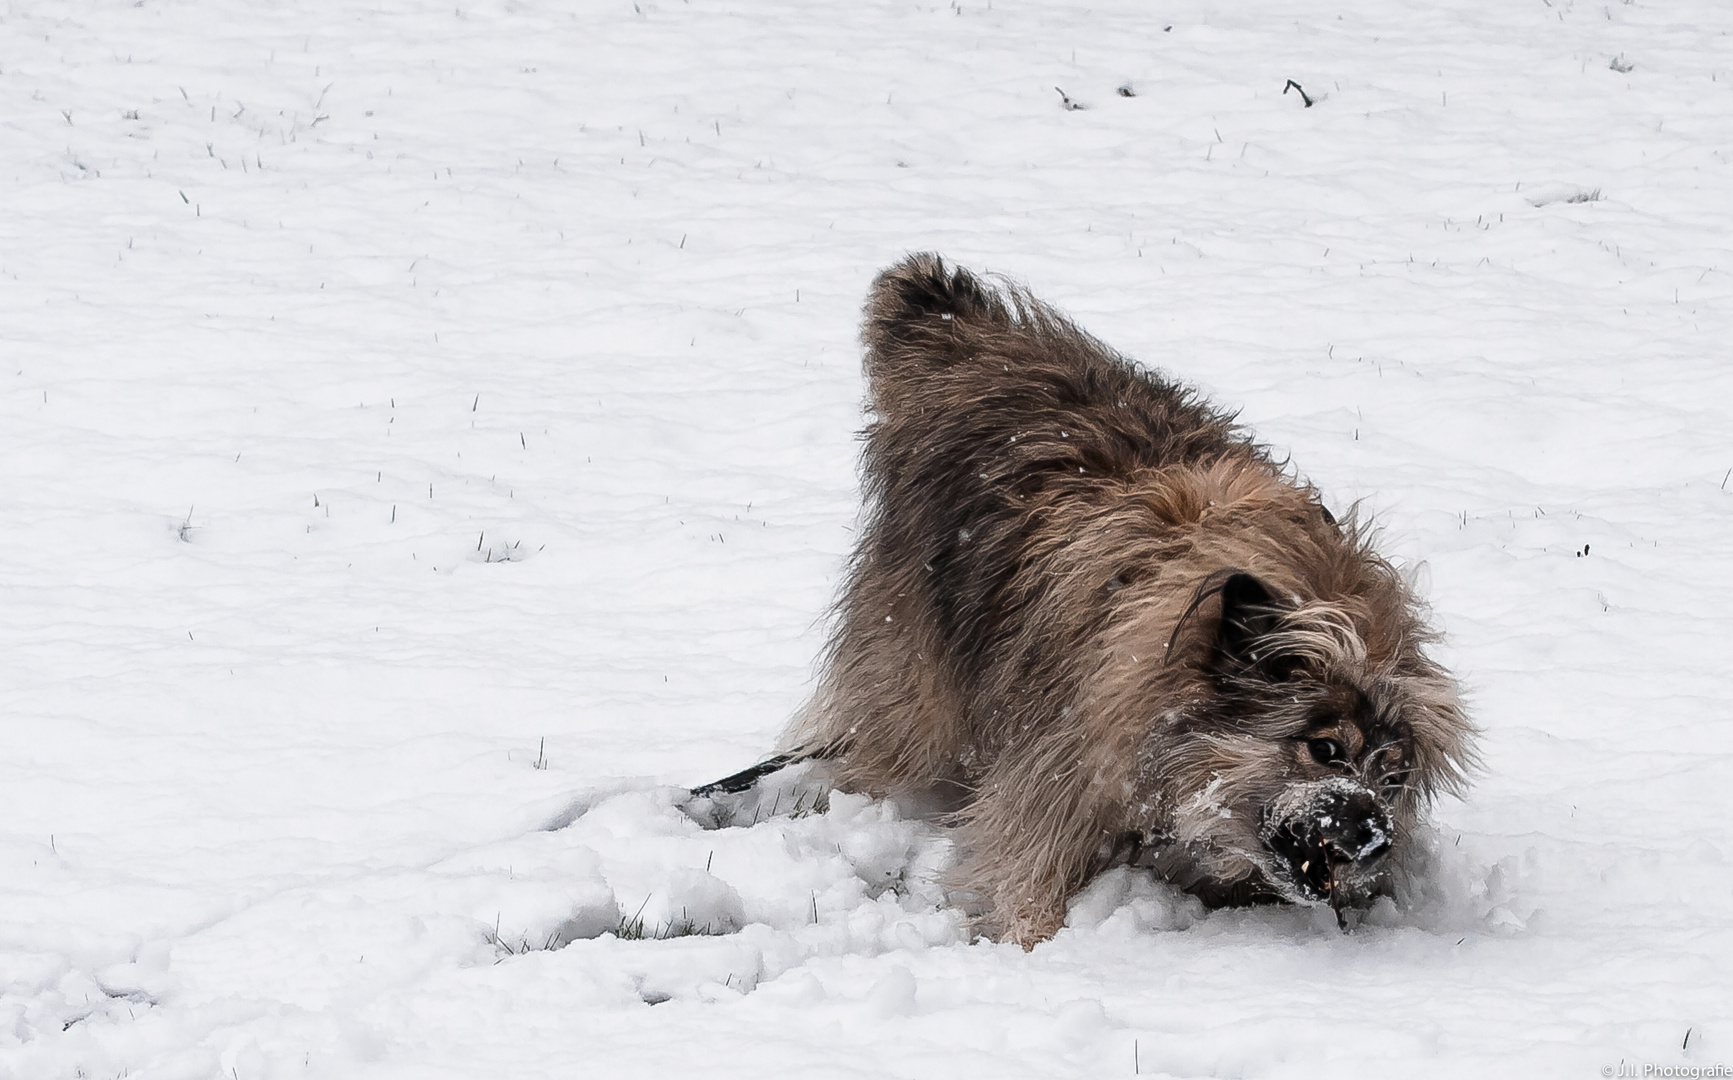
1029 631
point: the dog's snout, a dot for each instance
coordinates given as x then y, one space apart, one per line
1359 833
1328 833
1352 827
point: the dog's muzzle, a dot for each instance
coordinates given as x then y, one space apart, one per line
1330 835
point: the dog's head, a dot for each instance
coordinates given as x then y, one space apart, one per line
1307 763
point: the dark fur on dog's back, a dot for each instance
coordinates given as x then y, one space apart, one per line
1079 609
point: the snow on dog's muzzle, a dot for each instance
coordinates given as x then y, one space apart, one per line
1329 836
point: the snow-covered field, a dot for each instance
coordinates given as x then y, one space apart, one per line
426 446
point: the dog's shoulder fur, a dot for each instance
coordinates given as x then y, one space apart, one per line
1073 570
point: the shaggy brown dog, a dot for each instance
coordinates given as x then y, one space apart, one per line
1097 624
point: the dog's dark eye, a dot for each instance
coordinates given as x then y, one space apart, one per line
1326 751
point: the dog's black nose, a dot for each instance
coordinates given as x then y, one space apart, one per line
1357 833
1330 830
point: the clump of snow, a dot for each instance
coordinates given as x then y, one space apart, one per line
1128 903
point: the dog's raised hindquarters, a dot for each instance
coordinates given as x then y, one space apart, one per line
1094 622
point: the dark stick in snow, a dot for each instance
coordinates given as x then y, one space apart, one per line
745 778
1066 103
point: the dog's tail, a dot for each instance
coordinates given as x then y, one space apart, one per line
923 288
919 313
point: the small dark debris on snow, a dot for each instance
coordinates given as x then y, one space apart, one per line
1125 90
1547 194
1621 65
1297 88
1066 103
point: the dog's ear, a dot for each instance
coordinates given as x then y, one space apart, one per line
1249 616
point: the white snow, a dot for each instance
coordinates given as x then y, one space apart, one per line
426 447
